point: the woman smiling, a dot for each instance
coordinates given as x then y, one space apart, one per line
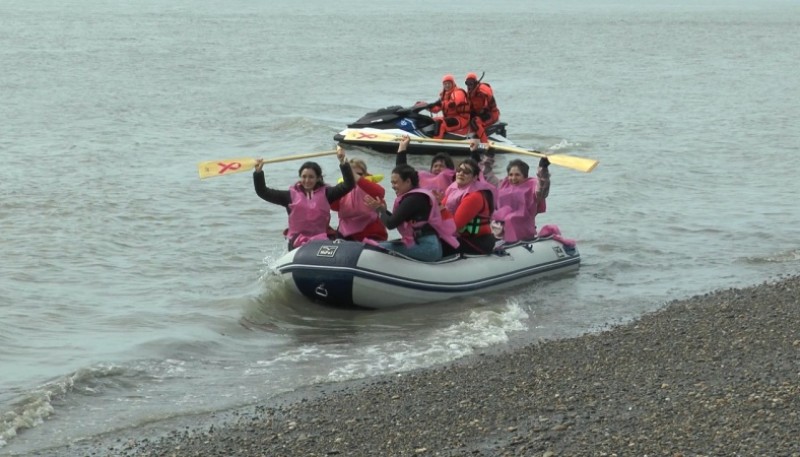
416 216
471 201
308 201
520 199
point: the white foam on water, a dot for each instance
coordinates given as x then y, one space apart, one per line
36 405
479 329
787 256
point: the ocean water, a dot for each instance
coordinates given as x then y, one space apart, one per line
132 292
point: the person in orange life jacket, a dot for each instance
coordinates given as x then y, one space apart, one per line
519 200
471 201
308 201
483 107
357 220
454 105
441 174
417 217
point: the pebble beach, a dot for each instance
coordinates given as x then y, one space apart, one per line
714 375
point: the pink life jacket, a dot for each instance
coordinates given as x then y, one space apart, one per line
428 180
553 230
517 209
445 228
308 216
354 214
454 194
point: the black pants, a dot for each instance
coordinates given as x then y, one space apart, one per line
473 244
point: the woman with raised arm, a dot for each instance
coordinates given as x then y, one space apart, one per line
417 217
519 200
442 171
308 201
358 221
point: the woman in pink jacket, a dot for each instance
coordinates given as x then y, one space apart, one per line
519 199
308 201
442 172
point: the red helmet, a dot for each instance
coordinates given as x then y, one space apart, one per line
450 78
472 76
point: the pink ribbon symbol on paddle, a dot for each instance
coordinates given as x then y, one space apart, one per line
224 167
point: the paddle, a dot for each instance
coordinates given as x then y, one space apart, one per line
576 163
567 161
212 168
375 137
371 178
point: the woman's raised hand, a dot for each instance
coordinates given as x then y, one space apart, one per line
402 146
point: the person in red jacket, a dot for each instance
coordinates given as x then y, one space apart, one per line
358 221
454 105
471 202
483 108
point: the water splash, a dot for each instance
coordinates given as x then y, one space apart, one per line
36 405
791 255
481 328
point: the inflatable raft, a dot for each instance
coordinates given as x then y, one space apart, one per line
351 274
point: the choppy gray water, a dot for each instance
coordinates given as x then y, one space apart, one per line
131 291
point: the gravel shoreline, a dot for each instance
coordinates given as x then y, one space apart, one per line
714 375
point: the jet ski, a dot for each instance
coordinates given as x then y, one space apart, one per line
380 130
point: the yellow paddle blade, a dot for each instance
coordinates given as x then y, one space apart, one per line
576 163
372 136
212 168
372 178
